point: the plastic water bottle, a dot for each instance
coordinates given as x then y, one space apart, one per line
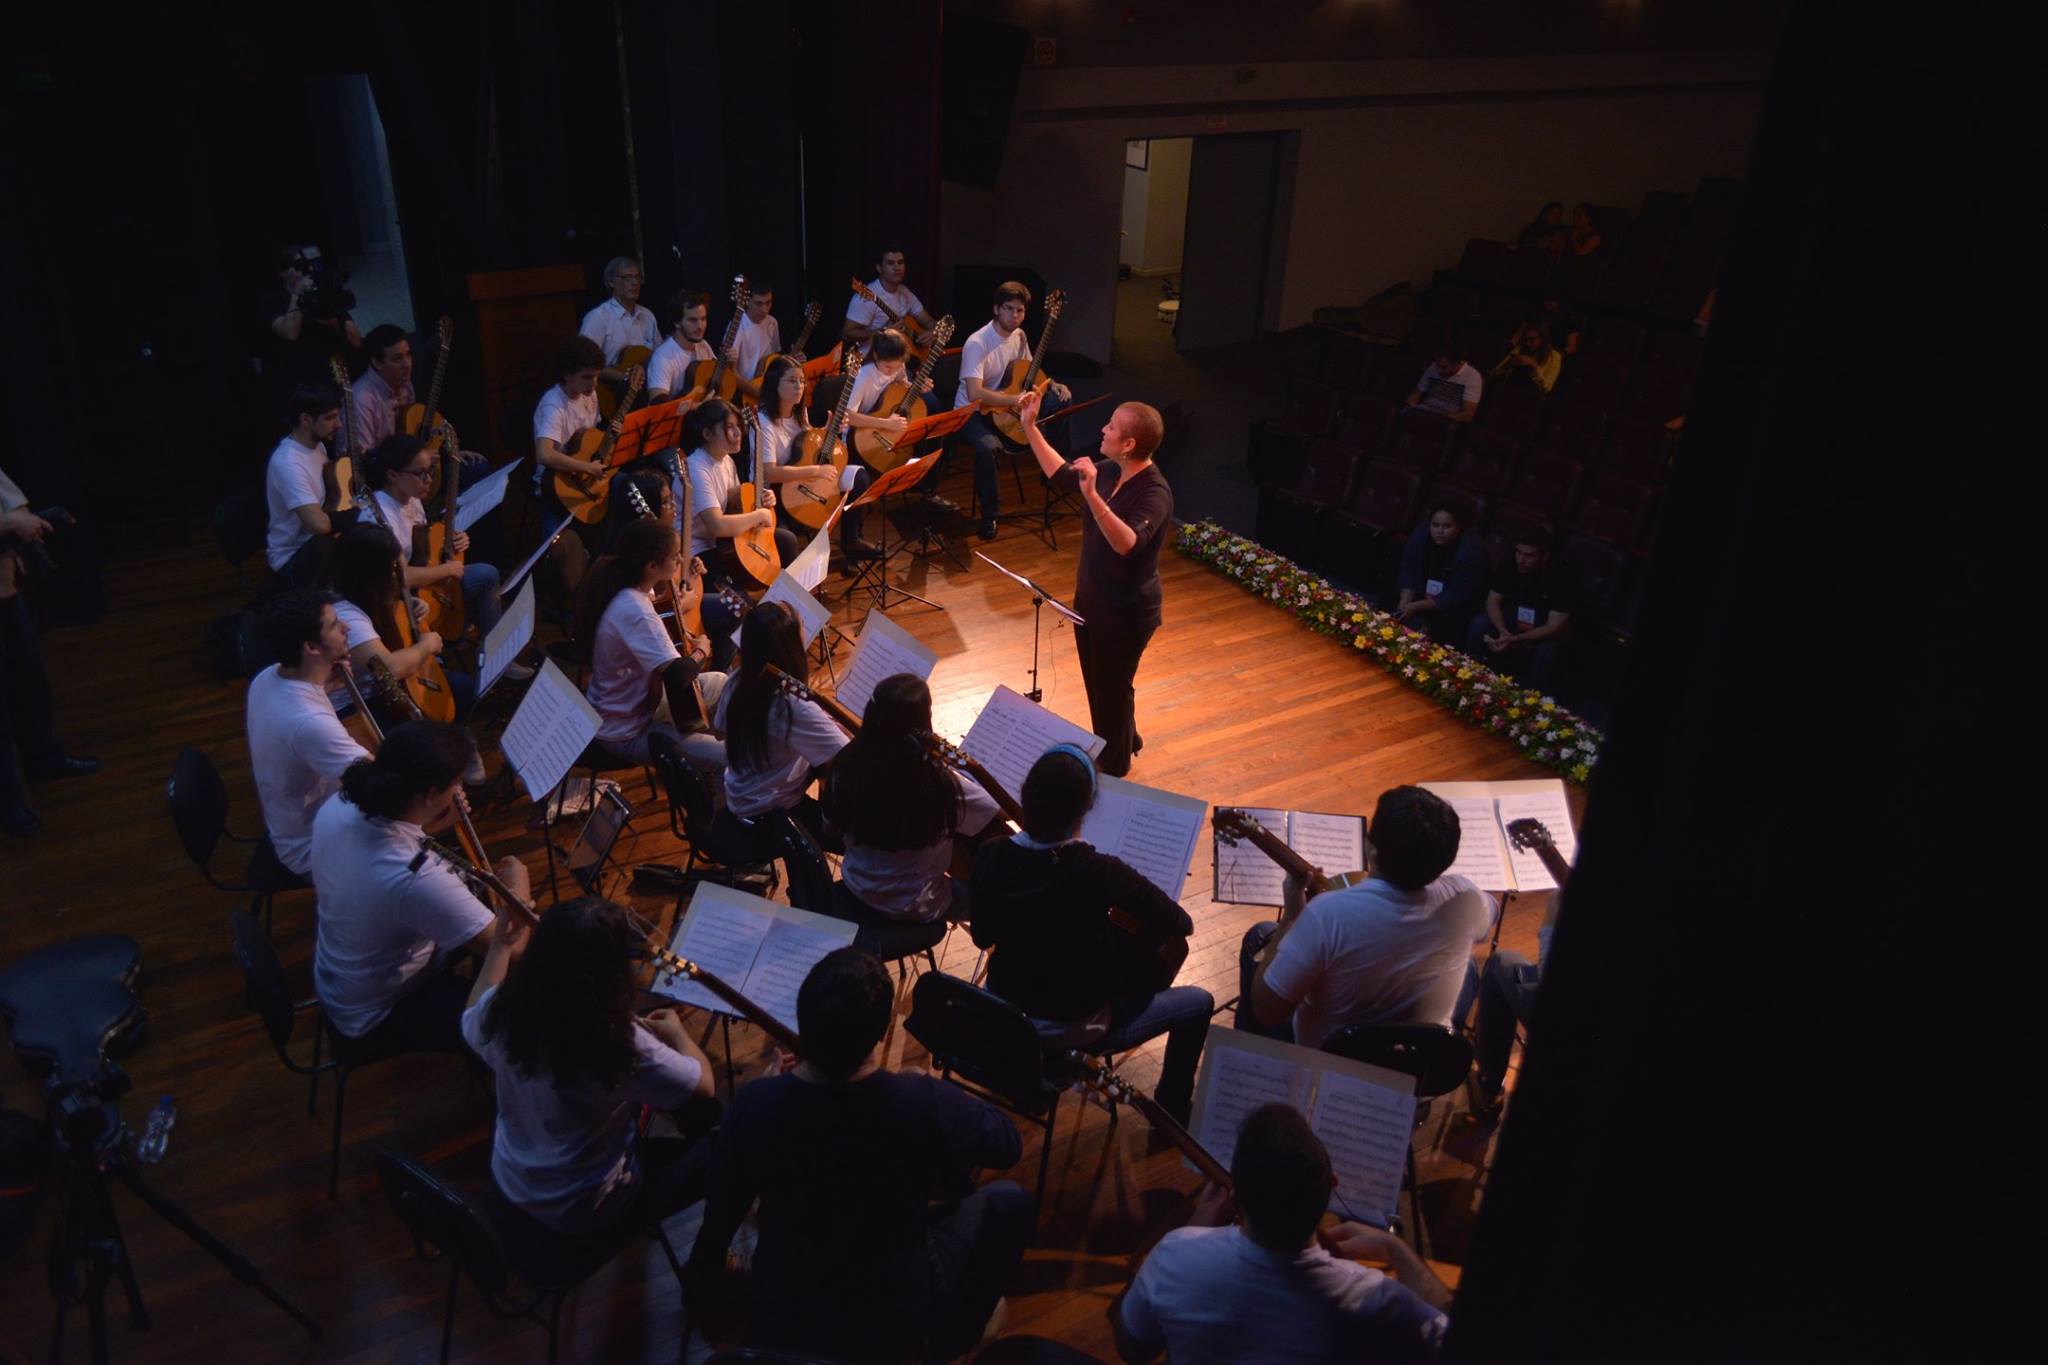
156 1136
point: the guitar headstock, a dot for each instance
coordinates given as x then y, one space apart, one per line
636 380
850 362
339 371
811 312
1232 825
942 332
444 331
742 292
1055 303
788 686
1530 835
862 291
639 500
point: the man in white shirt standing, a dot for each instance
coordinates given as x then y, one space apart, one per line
300 508
1391 950
298 749
385 389
983 359
1267 1288
758 337
864 319
620 321
668 367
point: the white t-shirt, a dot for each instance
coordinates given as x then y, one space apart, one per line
868 387
380 923
569 1156
377 408
861 313
755 342
713 484
671 361
292 480
401 519
560 417
773 439
631 646
356 622
986 355
298 751
613 328
1375 954
800 737
1213 1294
890 882
1448 395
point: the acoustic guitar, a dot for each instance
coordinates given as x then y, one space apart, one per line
715 378
760 559
342 478
1531 835
584 495
424 420
428 686
612 397
445 609
1024 375
1098 1075
751 384
904 398
805 504
385 685
1234 825
911 328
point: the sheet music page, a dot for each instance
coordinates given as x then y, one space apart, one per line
548 731
722 933
1244 875
796 940
1334 843
1013 732
1367 1128
810 616
1152 830
883 650
512 634
1236 1077
1556 814
810 567
1481 854
477 500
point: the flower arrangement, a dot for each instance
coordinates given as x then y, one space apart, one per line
1545 732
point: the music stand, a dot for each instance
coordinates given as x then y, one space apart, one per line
873 576
1039 599
647 430
933 426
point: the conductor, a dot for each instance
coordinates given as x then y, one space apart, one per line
1116 588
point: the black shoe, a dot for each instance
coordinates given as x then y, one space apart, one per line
20 820
858 549
987 529
1137 744
60 765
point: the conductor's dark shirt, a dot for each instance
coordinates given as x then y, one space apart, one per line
1122 587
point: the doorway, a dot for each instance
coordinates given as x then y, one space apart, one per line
362 209
1149 252
1234 240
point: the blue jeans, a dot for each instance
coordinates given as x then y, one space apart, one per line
973 1248
981 437
1255 940
1182 1014
480 596
1530 665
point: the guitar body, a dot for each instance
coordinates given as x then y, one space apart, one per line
755 549
710 379
584 497
428 688
1005 420
872 446
413 420
338 478
1143 962
610 393
804 505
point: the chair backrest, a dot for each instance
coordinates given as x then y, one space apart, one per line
980 1035
264 977
1437 1057
1326 478
690 804
240 521
810 875
199 805
442 1217
1386 496
1488 460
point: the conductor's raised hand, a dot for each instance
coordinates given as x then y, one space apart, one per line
1084 470
1027 409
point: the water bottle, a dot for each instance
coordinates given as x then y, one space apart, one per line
156 1136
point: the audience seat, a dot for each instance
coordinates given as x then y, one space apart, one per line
1481 264
1614 342
1615 510
1484 342
1276 453
1632 275
1346 362
1514 409
1424 440
1368 420
1526 270
1510 524
1576 428
1640 451
1361 543
1577 278
1487 460
1546 486
1311 407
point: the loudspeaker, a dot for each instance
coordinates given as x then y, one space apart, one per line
978 84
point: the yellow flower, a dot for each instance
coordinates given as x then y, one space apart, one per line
1463 674
1542 722
1386 632
1579 772
1358 616
1514 713
1549 705
1358 642
1421 676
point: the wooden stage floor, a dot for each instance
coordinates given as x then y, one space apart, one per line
1238 704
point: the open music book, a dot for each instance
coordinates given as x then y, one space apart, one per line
1013 732
548 731
1154 831
883 650
1484 812
811 616
1245 876
761 949
1365 1115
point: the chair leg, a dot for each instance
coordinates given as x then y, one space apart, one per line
1045 1153
668 1249
1421 1238
448 1313
334 1151
554 1326
313 1086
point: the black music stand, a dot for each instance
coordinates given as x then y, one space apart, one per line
1040 598
873 576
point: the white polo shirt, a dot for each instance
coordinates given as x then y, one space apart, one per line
298 751
713 484
290 481
614 329
755 342
986 355
381 923
558 418
631 646
800 737
671 361
861 313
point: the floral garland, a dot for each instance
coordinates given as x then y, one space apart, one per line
1537 725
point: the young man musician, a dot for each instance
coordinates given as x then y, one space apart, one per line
684 347
758 336
298 749
983 359
399 471
620 321
864 319
566 410
386 386
294 487
27 715
780 424
1116 587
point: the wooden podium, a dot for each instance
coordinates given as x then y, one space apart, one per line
522 318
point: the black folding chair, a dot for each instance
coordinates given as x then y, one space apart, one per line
199 809
1437 1057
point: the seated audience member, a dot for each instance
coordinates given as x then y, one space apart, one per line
28 725
1529 608
1443 578
620 321
295 492
1546 230
365 579
854 1260
572 1083
774 742
400 470
1042 903
390 920
1584 238
1391 950
385 388
1565 326
1267 1287
1531 360
1448 386
899 807
298 749
1506 991
640 683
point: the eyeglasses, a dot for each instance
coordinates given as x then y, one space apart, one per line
426 473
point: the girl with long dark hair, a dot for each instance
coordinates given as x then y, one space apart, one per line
365 571
640 683
400 472
773 741
780 423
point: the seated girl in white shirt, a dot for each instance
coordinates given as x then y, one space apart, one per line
779 426
365 571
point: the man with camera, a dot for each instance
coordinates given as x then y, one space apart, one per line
27 720
309 317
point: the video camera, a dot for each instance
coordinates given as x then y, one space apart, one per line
329 297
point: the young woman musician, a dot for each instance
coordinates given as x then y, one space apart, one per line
772 741
640 682
572 1082
899 807
779 426
400 469
365 570
713 434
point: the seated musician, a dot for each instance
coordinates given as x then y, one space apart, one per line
865 319
899 808
685 346
887 364
983 360
648 478
552 1014
1042 903
1391 950
392 914
295 490
1267 1287
773 741
757 337
640 682
385 389
565 411
712 435
298 748
854 1260
779 426
620 321
365 577
400 470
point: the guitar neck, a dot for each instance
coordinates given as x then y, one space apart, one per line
1038 351
1553 862
434 389
1291 862
924 372
803 337
1100 1076
1008 804
832 706
451 492
667 962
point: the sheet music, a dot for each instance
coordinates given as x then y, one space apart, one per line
1013 732
1334 843
1152 830
883 650
810 567
810 616
1366 1128
1244 875
1551 808
512 634
548 731
1481 854
722 933
1237 1078
477 501
796 939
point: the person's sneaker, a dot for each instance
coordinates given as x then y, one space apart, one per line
1485 1104
518 672
987 529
